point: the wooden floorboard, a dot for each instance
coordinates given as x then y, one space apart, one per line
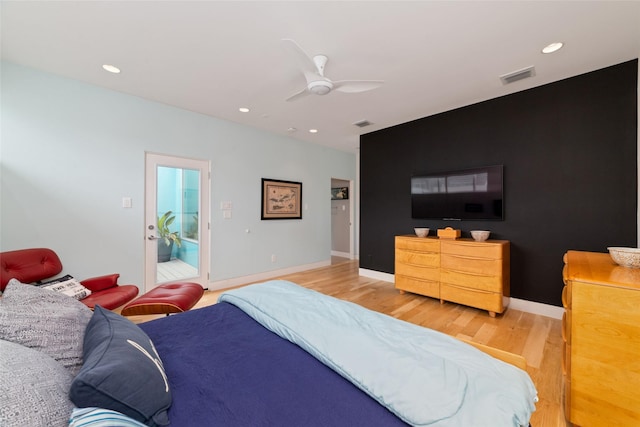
535 337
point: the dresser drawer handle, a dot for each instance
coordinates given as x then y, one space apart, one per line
464 288
469 273
473 258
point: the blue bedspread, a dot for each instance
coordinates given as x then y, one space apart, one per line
226 370
424 377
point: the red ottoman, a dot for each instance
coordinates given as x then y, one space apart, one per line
165 299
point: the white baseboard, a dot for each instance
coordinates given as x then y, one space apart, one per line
536 308
378 275
515 303
341 254
260 277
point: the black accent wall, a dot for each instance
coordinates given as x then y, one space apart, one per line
569 151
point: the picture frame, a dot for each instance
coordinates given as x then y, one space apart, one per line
340 193
281 199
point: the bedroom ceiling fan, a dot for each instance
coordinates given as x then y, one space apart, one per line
317 83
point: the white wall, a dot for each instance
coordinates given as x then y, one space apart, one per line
70 151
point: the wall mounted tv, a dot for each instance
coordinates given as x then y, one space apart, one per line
470 194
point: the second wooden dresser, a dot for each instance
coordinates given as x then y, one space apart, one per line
462 270
601 333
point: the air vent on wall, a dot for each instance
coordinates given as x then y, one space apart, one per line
514 76
362 123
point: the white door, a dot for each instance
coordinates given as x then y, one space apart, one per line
176 220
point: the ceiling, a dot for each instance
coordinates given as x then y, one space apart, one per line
213 57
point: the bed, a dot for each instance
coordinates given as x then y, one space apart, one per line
277 354
280 354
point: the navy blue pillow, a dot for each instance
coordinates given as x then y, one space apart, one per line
121 371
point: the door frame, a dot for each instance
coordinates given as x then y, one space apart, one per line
152 161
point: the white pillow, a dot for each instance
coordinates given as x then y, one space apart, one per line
67 285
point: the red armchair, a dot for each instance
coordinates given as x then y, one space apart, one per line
32 265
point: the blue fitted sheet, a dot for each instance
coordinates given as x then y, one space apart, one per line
225 369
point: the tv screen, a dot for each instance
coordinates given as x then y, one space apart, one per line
470 194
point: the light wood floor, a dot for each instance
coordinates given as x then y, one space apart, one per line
535 337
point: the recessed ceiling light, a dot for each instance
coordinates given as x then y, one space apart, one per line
111 68
313 130
243 109
291 129
553 47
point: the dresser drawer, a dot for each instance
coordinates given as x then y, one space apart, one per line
473 249
566 326
417 271
485 300
418 286
467 264
425 259
566 295
566 360
475 281
567 396
425 244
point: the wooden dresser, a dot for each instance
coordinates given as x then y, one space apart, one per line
462 270
601 333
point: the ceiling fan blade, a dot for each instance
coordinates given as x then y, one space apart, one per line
304 92
354 86
304 61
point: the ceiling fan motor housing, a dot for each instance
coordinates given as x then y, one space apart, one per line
320 87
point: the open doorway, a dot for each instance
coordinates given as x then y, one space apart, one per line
341 218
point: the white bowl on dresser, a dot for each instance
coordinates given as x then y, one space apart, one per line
480 235
421 231
626 257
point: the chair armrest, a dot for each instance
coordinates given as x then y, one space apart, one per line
96 284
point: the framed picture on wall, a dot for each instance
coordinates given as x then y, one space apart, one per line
340 193
281 199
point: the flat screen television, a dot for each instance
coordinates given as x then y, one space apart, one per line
470 194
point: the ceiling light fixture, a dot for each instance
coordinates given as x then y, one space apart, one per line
553 47
111 68
313 130
320 87
243 109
